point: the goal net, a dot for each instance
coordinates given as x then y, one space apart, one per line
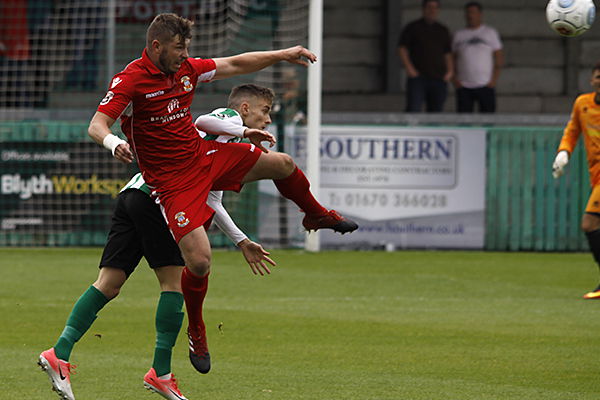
56 59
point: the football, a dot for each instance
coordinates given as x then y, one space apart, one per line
570 17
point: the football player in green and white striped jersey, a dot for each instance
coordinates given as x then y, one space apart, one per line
139 229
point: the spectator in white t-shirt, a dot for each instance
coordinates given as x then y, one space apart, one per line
478 58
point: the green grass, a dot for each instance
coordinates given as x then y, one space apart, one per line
334 325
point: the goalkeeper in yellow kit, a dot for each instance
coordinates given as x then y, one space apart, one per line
585 118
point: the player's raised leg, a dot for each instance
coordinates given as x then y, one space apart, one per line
293 185
195 248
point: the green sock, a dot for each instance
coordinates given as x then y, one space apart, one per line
81 318
169 318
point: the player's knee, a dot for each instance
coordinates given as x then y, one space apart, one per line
590 223
200 266
109 291
109 282
287 164
587 226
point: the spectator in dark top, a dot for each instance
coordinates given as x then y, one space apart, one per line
426 53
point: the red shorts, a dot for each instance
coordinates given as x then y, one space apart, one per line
221 166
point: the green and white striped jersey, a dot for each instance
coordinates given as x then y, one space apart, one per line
223 120
137 182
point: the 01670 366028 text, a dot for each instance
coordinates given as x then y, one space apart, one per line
392 199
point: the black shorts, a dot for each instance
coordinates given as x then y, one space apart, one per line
139 229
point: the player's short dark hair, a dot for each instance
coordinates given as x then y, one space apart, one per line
242 92
424 2
474 4
165 27
596 67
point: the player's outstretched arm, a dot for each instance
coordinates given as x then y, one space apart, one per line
246 63
256 256
561 160
212 124
99 131
253 252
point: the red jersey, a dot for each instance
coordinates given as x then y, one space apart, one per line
155 116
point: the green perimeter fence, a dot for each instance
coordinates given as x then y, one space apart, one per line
526 208
57 188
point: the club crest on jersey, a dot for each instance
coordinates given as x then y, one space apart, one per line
181 219
107 98
187 84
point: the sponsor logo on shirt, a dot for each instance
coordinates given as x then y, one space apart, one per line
115 82
173 104
181 219
187 84
168 118
154 94
107 98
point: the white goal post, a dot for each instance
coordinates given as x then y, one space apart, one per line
313 162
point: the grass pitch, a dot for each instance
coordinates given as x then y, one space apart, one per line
335 325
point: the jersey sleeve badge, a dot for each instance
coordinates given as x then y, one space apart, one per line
107 98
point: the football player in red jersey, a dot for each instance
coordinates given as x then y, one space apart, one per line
152 97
